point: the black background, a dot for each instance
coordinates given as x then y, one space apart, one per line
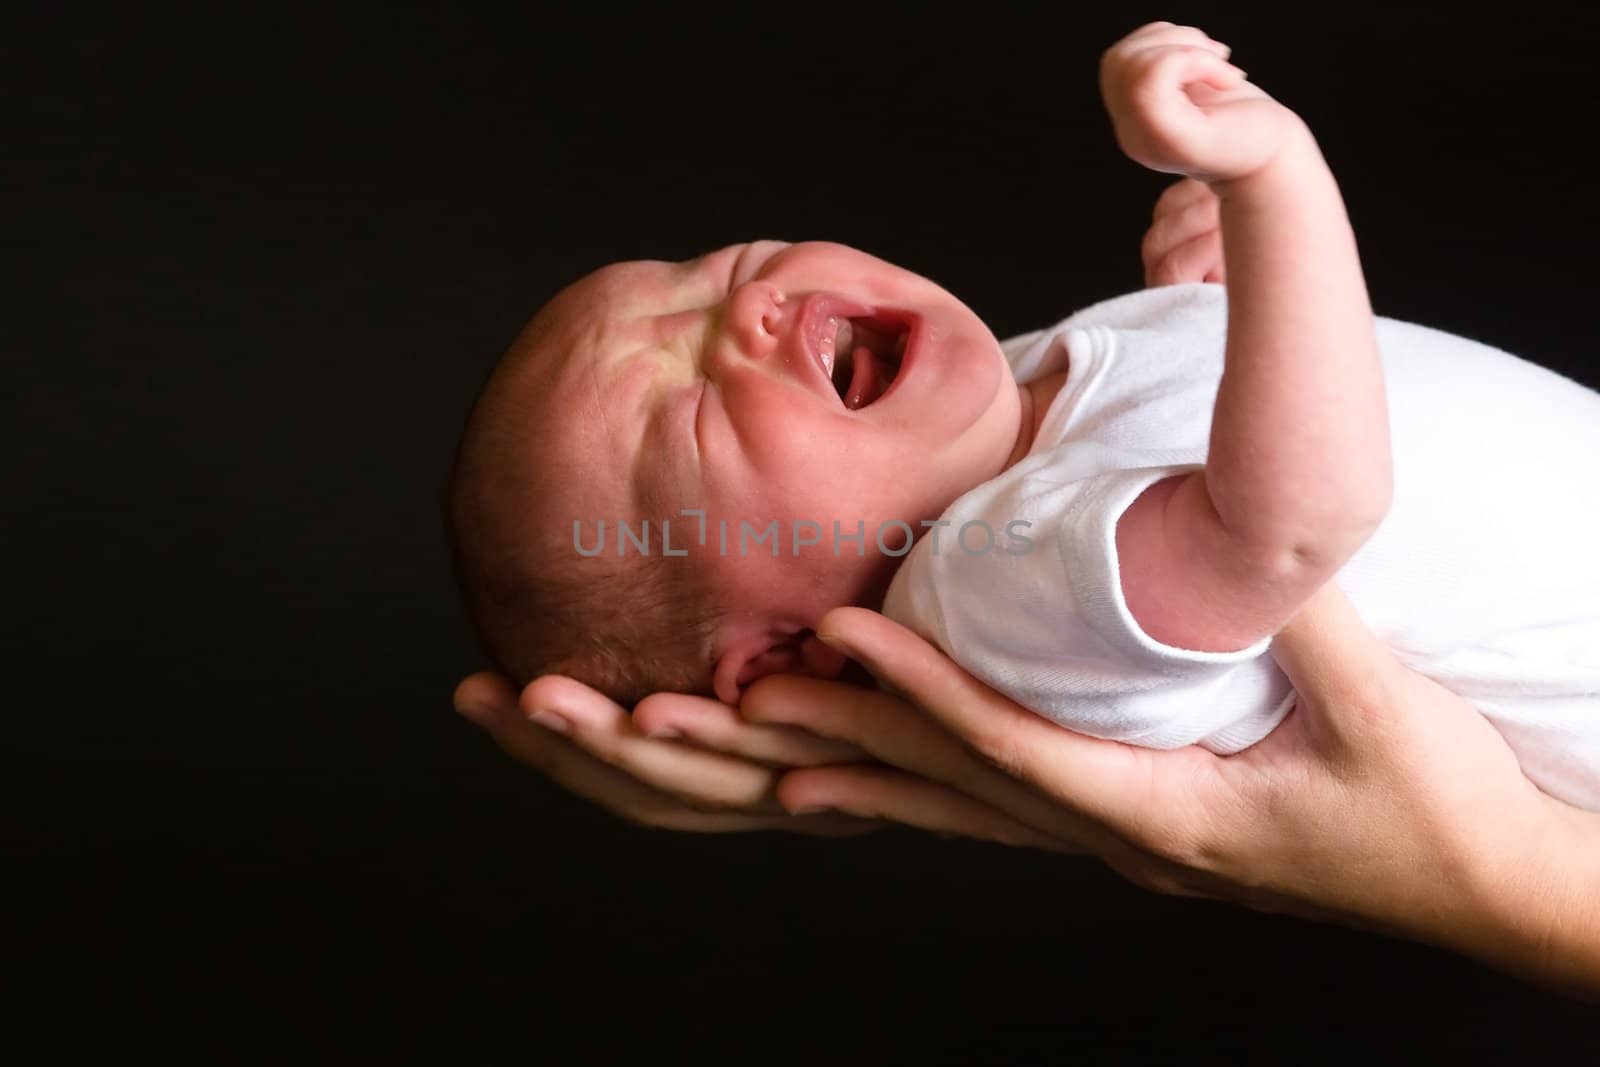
267 255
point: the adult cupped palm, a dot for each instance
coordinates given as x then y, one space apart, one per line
1382 800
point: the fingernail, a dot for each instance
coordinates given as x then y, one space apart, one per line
840 645
550 721
664 733
833 641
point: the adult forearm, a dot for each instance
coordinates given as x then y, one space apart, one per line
1540 903
1299 455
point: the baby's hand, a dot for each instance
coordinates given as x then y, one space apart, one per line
1184 242
1178 106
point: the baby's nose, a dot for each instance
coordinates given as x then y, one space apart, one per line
760 313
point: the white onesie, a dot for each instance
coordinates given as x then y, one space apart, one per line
1485 576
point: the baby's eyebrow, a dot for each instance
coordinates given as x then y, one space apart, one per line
637 353
668 327
685 297
674 288
712 276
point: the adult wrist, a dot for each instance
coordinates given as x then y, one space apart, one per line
1536 897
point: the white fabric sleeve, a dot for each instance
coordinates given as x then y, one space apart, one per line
1051 629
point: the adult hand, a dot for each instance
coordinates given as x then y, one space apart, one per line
1383 800
678 762
682 762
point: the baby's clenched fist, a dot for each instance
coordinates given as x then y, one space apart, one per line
1178 106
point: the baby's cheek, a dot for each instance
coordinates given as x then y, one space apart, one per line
825 490
801 569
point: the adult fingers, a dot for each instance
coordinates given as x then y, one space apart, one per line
714 725
710 781
485 693
897 733
1103 780
879 723
883 793
617 791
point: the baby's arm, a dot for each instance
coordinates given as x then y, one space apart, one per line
1298 474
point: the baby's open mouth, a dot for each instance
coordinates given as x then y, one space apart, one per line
862 357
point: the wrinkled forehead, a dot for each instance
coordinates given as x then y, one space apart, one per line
581 356
615 307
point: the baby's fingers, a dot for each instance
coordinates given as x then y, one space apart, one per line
1153 34
1180 196
713 725
1199 218
1199 259
1168 70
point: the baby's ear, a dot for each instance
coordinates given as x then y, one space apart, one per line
753 658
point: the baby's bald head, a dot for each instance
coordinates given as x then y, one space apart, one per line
649 388
534 458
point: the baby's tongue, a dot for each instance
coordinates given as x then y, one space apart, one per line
867 380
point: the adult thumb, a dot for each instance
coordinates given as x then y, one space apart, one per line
1334 661
922 674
